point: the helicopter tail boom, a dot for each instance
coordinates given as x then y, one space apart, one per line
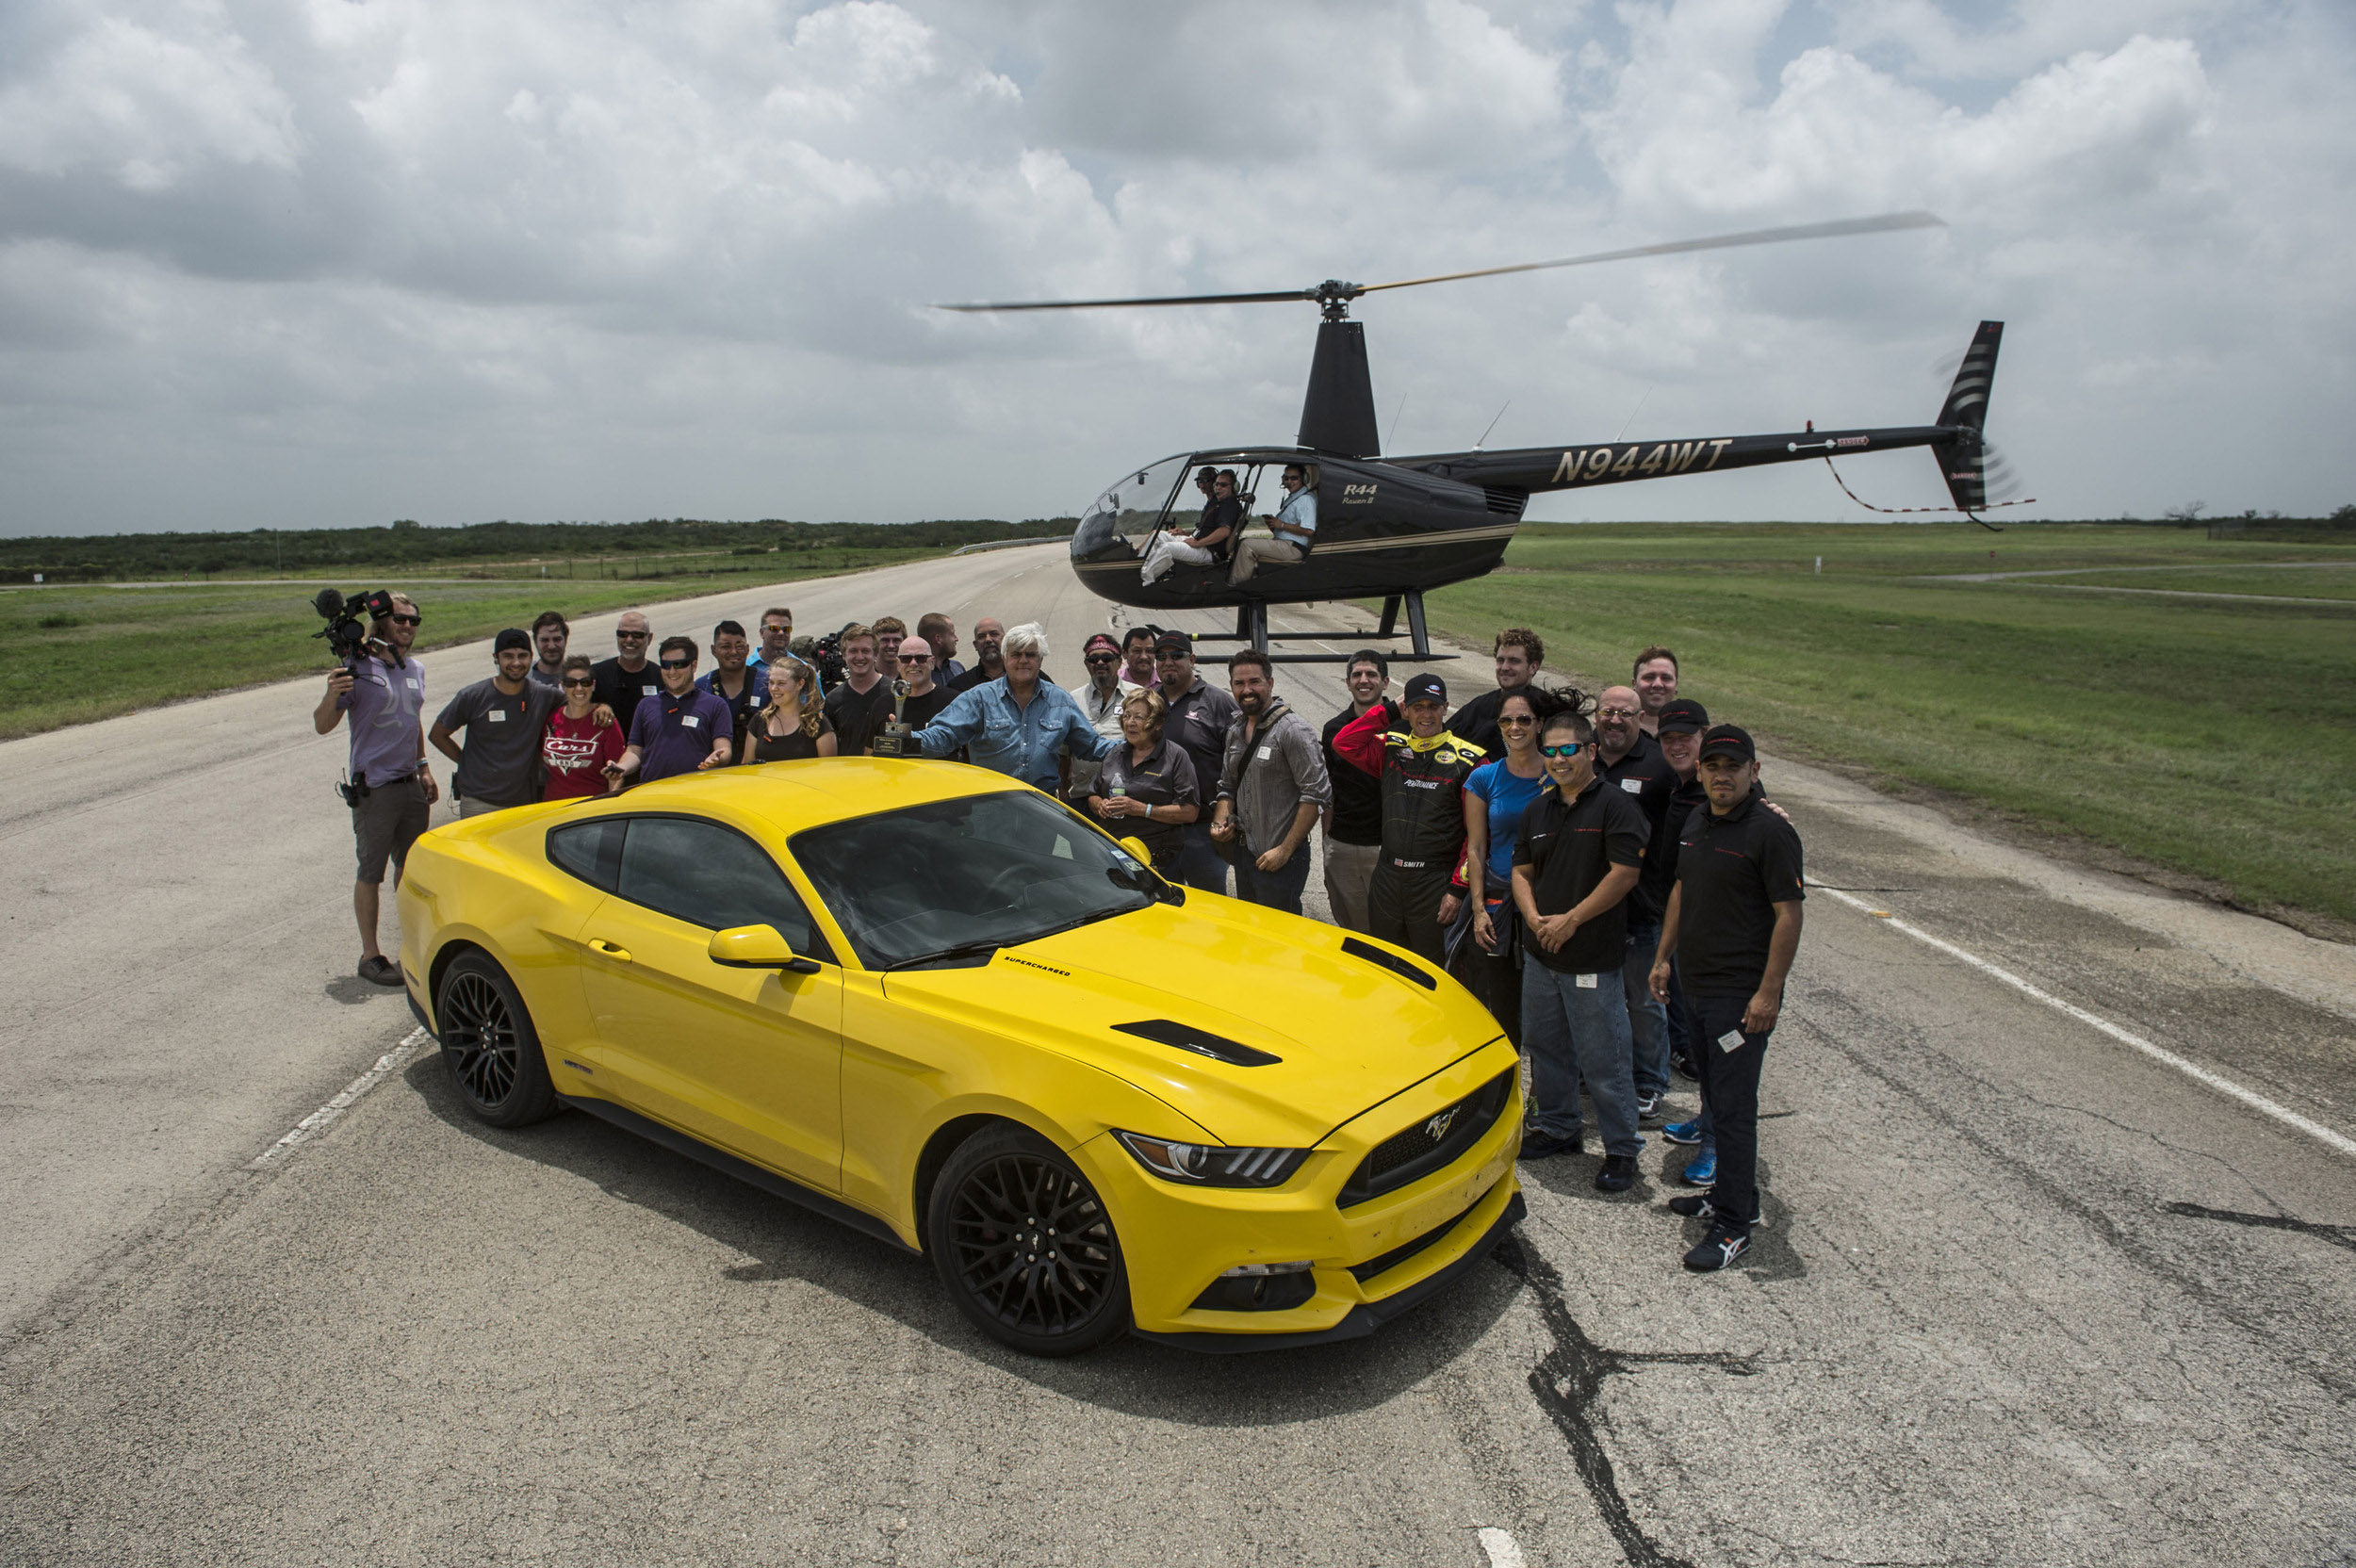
1963 460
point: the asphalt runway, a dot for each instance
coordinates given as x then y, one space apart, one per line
2059 1266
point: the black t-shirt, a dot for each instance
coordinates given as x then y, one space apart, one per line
1646 777
622 690
1219 514
923 708
856 716
1660 859
1569 849
1734 870
1357 795
794 748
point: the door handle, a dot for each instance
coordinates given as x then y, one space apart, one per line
599 945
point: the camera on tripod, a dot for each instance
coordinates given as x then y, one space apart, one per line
347 627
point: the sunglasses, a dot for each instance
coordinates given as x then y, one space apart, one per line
923 658
406 620
1571 749
632 636
1516 720
678 663
580 685
1104 659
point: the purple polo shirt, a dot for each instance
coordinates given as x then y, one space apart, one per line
674 734
387 706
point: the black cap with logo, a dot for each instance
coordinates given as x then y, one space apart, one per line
1426 686
1727 740
1174 641
1684 717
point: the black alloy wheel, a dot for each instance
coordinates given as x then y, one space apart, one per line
1025 1247
489 1045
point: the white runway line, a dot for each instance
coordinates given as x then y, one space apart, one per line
326 1115
2194 1071
1503 1551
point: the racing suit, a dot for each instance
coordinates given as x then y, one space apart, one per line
1423 824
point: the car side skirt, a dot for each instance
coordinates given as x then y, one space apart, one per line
744 1170
1363 1319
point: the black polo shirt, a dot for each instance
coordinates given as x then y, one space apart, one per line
1198 722
1357 794
1734 870
1646 777
1569 850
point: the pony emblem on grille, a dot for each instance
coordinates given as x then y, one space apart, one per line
1437 1127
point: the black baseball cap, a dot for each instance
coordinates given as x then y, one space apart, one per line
1727 740
1174 641
1426 686
514 637
1683 717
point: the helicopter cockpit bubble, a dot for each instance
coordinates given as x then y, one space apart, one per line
1132 508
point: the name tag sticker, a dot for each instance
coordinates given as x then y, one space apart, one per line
649 691
413 684
691 721
1633 786
1730 1040
496 715
1266 752
1585 982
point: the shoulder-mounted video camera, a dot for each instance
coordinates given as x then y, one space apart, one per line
347 627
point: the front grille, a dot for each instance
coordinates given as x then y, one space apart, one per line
1398 1255
1416 1152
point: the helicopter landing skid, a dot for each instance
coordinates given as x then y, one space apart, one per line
1251 626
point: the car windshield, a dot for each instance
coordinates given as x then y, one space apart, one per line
960 878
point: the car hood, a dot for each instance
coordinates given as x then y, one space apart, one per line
1347 1033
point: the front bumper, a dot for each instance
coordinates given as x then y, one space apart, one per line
1370 1259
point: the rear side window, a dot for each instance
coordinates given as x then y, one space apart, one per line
590 850
712 876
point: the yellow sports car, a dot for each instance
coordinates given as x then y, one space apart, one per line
937 1004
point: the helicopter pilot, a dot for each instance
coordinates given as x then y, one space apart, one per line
1207 545
1291 531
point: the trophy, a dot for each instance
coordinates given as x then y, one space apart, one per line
893 741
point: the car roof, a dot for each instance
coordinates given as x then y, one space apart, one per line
794 796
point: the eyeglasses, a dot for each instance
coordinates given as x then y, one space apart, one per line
407 620
1571 749
632 636
1618 713
583 685
678 663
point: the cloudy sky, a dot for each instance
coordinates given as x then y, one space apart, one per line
319 262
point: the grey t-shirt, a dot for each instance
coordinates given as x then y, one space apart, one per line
499 759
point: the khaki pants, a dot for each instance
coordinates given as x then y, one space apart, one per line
1249 555
1349 872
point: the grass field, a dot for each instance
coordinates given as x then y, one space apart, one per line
2214 738
69 655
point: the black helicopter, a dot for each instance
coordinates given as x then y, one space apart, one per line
1390 528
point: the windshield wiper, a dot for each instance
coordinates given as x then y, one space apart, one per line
964 950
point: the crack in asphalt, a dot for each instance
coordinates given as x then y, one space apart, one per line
2338 1235
1568 1379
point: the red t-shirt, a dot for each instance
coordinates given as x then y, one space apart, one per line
576 752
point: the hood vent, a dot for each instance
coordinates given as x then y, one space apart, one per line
1163 1031
1391 961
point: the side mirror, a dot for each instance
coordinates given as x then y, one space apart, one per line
1137 847
758 947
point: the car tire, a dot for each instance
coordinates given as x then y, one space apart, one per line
1025 1246
489 1045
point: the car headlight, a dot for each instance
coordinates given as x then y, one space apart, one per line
1212 1165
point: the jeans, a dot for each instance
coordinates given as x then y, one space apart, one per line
1730 1086
1648 1021
1572 1032
1199 864
1348 875
1277 890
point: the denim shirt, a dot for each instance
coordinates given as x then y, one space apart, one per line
1021 741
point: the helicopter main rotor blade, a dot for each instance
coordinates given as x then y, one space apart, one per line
1164 300
1715 243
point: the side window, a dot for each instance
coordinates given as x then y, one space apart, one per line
712 876
590 850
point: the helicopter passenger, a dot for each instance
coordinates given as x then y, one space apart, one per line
1291 531
1207 546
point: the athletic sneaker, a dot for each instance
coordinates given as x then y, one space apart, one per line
1684 1132
1701 1170
1695 1205
1683 1066
1647 1107
1718 1249
1545 1146
1618 1173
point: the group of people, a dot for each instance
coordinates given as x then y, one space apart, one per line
1606 877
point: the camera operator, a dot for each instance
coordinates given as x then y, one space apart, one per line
392 791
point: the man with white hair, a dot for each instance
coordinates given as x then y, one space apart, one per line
1016 724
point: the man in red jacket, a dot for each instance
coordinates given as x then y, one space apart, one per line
1422 768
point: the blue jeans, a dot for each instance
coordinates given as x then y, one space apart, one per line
1199 864
1277 890
1647 1020
1572 1032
